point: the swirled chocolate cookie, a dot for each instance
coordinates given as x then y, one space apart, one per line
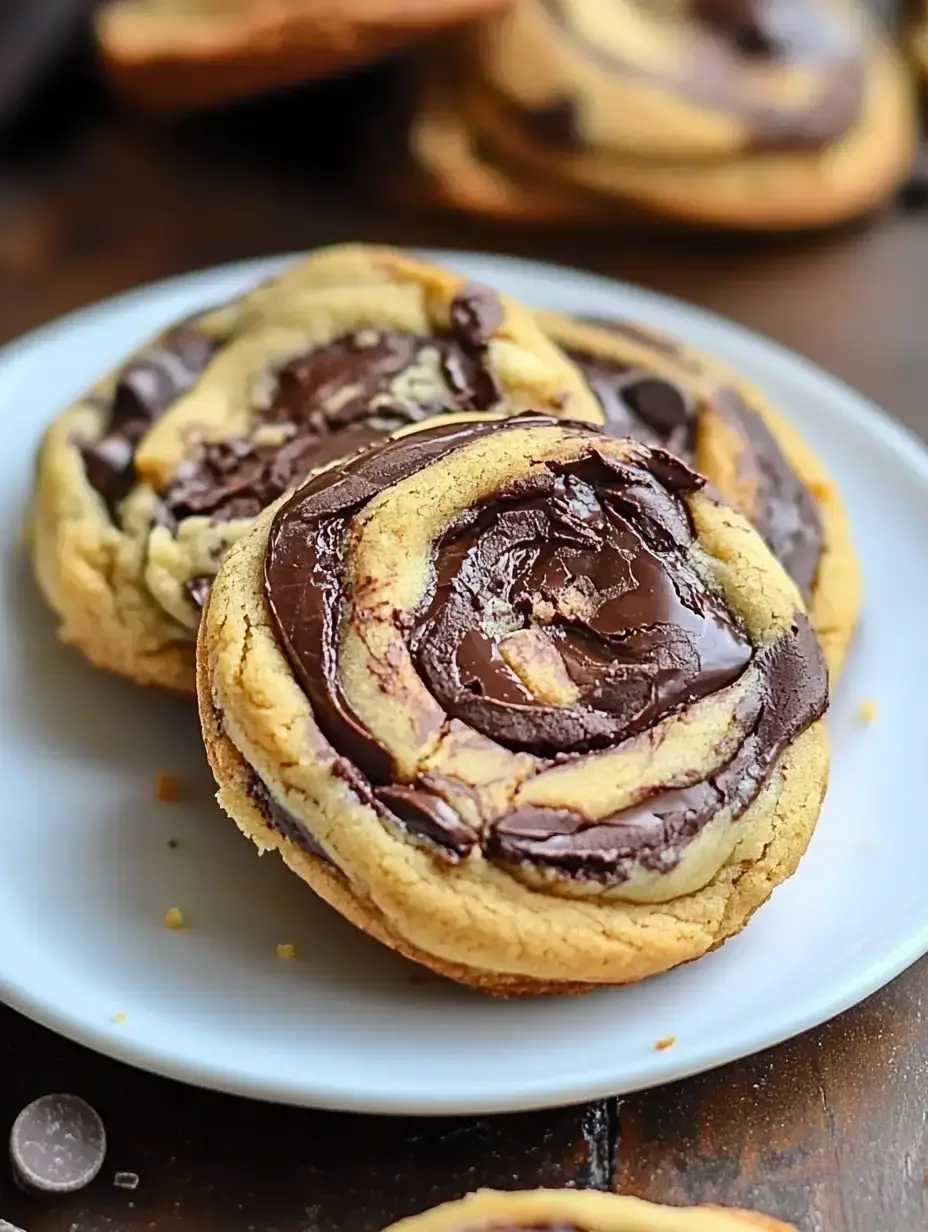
144 484
169 56
522 700
770 115
655 389
578 1210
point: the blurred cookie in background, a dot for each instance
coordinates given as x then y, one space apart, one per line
448 164
181 55
753 116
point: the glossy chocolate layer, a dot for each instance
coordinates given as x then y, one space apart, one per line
657 411
785 513
304 572
732 38
793 692
582 572
146 387
639 404
339 398
581 577
281 819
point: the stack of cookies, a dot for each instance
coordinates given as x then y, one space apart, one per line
511 633
763 115
743 114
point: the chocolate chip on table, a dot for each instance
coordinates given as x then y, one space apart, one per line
57 1145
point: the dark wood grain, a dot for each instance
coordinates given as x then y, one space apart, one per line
829 1130
208 1161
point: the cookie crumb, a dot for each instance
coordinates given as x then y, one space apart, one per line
119 1018
126 1180
167 787
287 951
866 711
173 843
667 1042
174 919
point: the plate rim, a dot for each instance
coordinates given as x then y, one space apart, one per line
909 451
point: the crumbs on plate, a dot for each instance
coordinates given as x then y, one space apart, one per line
174 919
167 787
668 1041
286 951
819 488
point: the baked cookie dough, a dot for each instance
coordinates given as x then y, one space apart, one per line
145 483
444 163
655 389
757 116
524 701
579 1210
177 55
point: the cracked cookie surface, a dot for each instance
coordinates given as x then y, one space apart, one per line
521 700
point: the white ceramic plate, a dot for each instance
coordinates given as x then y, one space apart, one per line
86 870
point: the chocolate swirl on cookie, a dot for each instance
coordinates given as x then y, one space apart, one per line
336 399
145 388
564 618
757 115
327 403
659 411
146 482
721 44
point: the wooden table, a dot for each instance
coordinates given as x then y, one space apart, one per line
830 1130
